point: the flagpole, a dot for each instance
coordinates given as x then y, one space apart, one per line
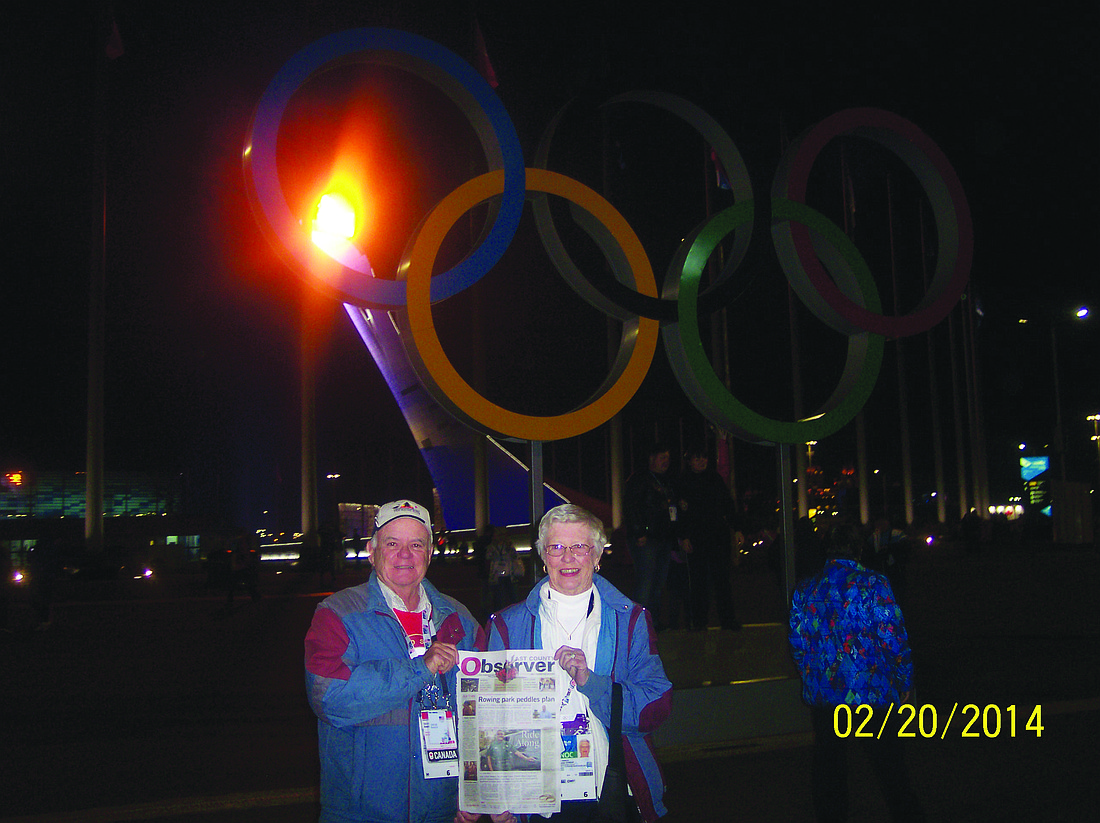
956 404
720 336
97 292
933 392
615 425
849 202
903 386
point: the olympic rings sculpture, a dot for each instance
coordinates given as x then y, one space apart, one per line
823 267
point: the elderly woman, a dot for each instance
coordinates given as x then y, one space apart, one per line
598 636
378 656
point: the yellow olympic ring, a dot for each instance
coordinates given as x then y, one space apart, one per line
438 375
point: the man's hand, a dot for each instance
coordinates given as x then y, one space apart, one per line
441 657
467 817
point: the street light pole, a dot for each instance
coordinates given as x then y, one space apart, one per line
1095 419
1059 436
1059 440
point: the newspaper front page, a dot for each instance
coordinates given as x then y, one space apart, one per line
509 731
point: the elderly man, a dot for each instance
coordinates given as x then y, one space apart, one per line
382 683
849 643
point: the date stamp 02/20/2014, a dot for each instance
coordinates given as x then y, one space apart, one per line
968 721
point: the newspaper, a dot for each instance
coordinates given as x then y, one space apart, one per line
509 732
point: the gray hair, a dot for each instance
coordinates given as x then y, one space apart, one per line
568 513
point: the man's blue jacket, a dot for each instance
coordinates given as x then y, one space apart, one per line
363 687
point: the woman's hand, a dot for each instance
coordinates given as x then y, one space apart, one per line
574 663
467 817
503 817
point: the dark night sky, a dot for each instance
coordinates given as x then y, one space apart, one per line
202 317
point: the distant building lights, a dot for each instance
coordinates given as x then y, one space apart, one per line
280 556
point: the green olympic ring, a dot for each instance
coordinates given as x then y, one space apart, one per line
684 346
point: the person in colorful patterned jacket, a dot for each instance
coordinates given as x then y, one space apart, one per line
598 636
380 663
848 640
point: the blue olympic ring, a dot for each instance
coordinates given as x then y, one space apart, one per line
454 77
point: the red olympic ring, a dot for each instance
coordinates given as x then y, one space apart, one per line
795 244
949 207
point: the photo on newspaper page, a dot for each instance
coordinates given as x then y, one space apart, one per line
509 731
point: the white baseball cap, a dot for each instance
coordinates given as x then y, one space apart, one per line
402 508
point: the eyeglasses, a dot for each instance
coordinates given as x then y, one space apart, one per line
579 550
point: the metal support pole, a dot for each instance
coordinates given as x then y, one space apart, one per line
537 500
786 514
309 429
1059 435
481 484
861 470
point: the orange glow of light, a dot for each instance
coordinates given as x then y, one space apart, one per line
340 215
14 478
343 207
357 162
351 136
334 230
335 215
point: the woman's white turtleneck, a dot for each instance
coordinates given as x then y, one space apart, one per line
574 620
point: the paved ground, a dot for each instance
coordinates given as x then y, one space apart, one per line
156 701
